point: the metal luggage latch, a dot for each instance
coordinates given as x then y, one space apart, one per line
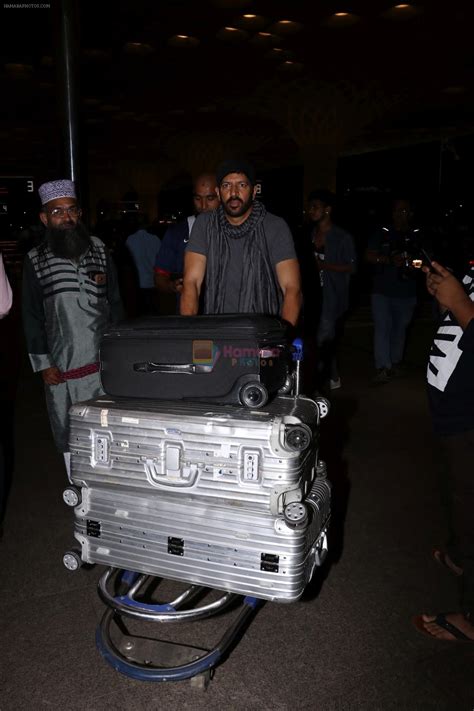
100 450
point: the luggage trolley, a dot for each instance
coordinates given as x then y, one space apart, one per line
150 659
123 592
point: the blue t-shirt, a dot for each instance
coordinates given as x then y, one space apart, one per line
388 279
144 248
170 259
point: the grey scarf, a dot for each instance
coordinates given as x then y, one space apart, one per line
259 289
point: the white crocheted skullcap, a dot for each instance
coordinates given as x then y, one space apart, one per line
56 189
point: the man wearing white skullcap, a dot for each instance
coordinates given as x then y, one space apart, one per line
55 190
70 296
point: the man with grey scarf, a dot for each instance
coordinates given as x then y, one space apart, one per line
243 255
70 296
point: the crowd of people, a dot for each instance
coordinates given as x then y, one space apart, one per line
233 256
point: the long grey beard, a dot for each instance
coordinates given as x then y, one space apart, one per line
68 243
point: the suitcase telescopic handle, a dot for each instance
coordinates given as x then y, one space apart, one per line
297 348
186 368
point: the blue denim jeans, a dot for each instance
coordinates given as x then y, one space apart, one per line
391 316
327 341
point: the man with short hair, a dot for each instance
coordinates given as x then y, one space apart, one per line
243 254
169 264
70 296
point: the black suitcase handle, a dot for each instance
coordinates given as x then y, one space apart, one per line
186 368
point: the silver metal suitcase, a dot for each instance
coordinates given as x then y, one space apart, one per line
223 497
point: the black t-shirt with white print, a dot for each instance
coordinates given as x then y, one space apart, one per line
451 372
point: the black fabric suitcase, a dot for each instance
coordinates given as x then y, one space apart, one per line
230 359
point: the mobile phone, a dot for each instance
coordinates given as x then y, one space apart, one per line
427 260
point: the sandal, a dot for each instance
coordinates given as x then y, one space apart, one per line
442 622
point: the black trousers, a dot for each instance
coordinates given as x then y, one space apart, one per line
458 451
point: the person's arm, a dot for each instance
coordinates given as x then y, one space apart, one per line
35 327
5 291
288 275
449 293
194 271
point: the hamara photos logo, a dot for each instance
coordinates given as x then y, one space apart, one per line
207 353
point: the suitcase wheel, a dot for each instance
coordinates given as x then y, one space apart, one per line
297 437
323 406
296 514
253 395
72 560
72 496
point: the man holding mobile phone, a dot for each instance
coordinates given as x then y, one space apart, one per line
393 297
451 395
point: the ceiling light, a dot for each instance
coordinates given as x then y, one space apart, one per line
138 48
232 34
183 41
278 54
402 11
251 21
454 89
286 27
341 19
18 67
266 39
290 66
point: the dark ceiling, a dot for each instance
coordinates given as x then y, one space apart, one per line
145 93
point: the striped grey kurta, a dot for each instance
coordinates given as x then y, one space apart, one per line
66 308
